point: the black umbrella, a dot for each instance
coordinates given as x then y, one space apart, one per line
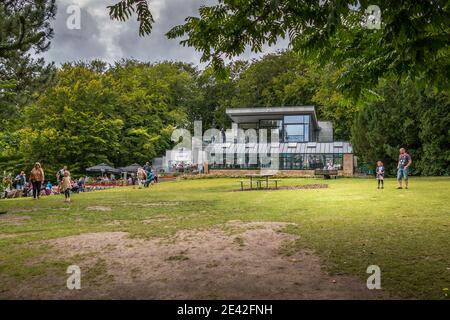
103 168
131 168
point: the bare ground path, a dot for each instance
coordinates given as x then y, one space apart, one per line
238 261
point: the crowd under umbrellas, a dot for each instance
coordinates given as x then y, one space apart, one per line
99 177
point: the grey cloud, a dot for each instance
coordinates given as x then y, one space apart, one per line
73 45
102 38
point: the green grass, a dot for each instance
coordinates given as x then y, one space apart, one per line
350 225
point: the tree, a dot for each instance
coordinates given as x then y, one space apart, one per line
95 112
412 41
25 25
404 115
24 28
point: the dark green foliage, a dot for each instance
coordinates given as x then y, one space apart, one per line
25 25
405 116
412 41
91 114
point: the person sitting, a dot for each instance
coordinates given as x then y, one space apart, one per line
27 190
75 187
48 188
55 190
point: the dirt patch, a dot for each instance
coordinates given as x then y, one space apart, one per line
151 204
208 264
301 187
12 219
98 208
17 210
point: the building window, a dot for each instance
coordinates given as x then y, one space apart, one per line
270 125
296 128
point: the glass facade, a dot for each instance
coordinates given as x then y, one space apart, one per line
292 129
287 161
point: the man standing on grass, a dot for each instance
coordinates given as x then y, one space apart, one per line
404 161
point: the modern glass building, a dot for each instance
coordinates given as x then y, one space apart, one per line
301 142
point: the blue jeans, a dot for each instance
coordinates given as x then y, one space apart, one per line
402 173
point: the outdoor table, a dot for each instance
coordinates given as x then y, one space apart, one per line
259 176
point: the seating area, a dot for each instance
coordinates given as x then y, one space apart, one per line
259 180
326 173
259 183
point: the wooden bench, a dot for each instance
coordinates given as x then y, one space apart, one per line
327 174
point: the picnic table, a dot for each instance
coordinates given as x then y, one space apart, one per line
258 178
261 177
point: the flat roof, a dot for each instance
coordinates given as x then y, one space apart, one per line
249 115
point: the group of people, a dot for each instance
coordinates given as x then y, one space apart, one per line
19 185
145 176
37 184
404 161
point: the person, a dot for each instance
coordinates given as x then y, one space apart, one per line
147 167
404 161
37 177
81 183
148 172
28 190
380 174
133 179
330 165
149 178
156 177
21 180
48 188
60 175
66 185
7 186
75 186
142 176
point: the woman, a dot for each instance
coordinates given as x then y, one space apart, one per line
37 178
142 176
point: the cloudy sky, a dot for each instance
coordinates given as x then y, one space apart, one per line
101 38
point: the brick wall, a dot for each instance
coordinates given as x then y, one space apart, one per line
348 165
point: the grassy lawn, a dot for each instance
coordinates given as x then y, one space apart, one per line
350 225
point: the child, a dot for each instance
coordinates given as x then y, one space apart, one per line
66 185
380 174
142 176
